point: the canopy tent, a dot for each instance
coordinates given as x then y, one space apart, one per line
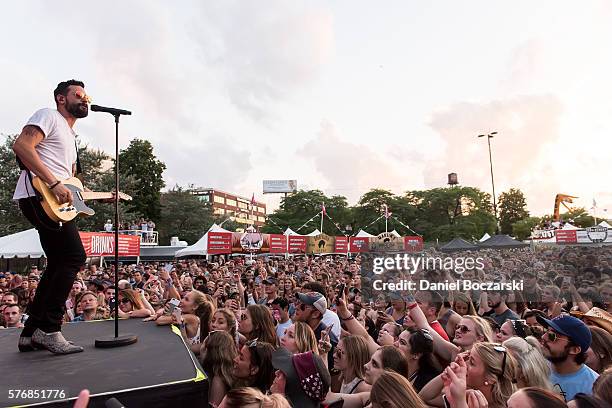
458 244
289 231
362 234
395 234
23 244
569 226
502 242
201 246
604 223
484 237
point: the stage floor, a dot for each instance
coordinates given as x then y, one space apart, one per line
158 359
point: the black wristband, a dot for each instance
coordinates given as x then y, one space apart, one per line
52 186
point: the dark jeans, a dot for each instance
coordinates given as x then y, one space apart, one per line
65 256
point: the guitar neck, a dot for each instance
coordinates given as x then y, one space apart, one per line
93 195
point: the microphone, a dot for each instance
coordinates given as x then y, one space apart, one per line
112 111
113 403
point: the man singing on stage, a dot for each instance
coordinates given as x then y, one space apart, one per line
46 148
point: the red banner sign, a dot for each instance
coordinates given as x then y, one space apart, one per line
297 244
566 236
359 244
219 243
103 244
413 244
341 245
278 243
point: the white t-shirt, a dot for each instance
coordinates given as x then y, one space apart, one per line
57 150
330 318
281 327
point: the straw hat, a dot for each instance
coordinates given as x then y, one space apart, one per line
597 317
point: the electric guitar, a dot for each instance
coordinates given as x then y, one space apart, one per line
65 212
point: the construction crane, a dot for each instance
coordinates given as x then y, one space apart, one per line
562 199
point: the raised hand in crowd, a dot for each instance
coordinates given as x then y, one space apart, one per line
455 383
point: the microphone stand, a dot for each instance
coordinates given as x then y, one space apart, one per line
126 339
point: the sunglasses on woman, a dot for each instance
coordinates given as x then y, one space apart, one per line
501 349
463 329
426 334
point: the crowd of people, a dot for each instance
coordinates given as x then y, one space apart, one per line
143 228
301 332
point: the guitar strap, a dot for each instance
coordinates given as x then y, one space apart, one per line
79 169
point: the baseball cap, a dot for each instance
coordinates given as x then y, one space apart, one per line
271 280
308 380
313 299
569 326
2 275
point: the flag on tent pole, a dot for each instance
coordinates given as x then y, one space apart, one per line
387 212
323 209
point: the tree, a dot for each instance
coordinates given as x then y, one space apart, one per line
303 205
99 175
512 208
521 230
139 161
183 215
370 207
579 217
446 213
11 219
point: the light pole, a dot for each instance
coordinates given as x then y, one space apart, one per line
489 137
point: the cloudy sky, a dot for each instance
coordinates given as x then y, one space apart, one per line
341 95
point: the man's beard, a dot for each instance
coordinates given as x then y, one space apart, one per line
76 110
495 305
558 359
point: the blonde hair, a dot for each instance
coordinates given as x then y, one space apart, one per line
503 383
248 397
483 328
462 297
230 319
357 354
305 339
531 366
393 390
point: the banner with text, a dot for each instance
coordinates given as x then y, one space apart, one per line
219 243
278 243
103 244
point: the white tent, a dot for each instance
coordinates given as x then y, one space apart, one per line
200 247
569 226
21 245
484 237
289 231
604 224
362 233
395 234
